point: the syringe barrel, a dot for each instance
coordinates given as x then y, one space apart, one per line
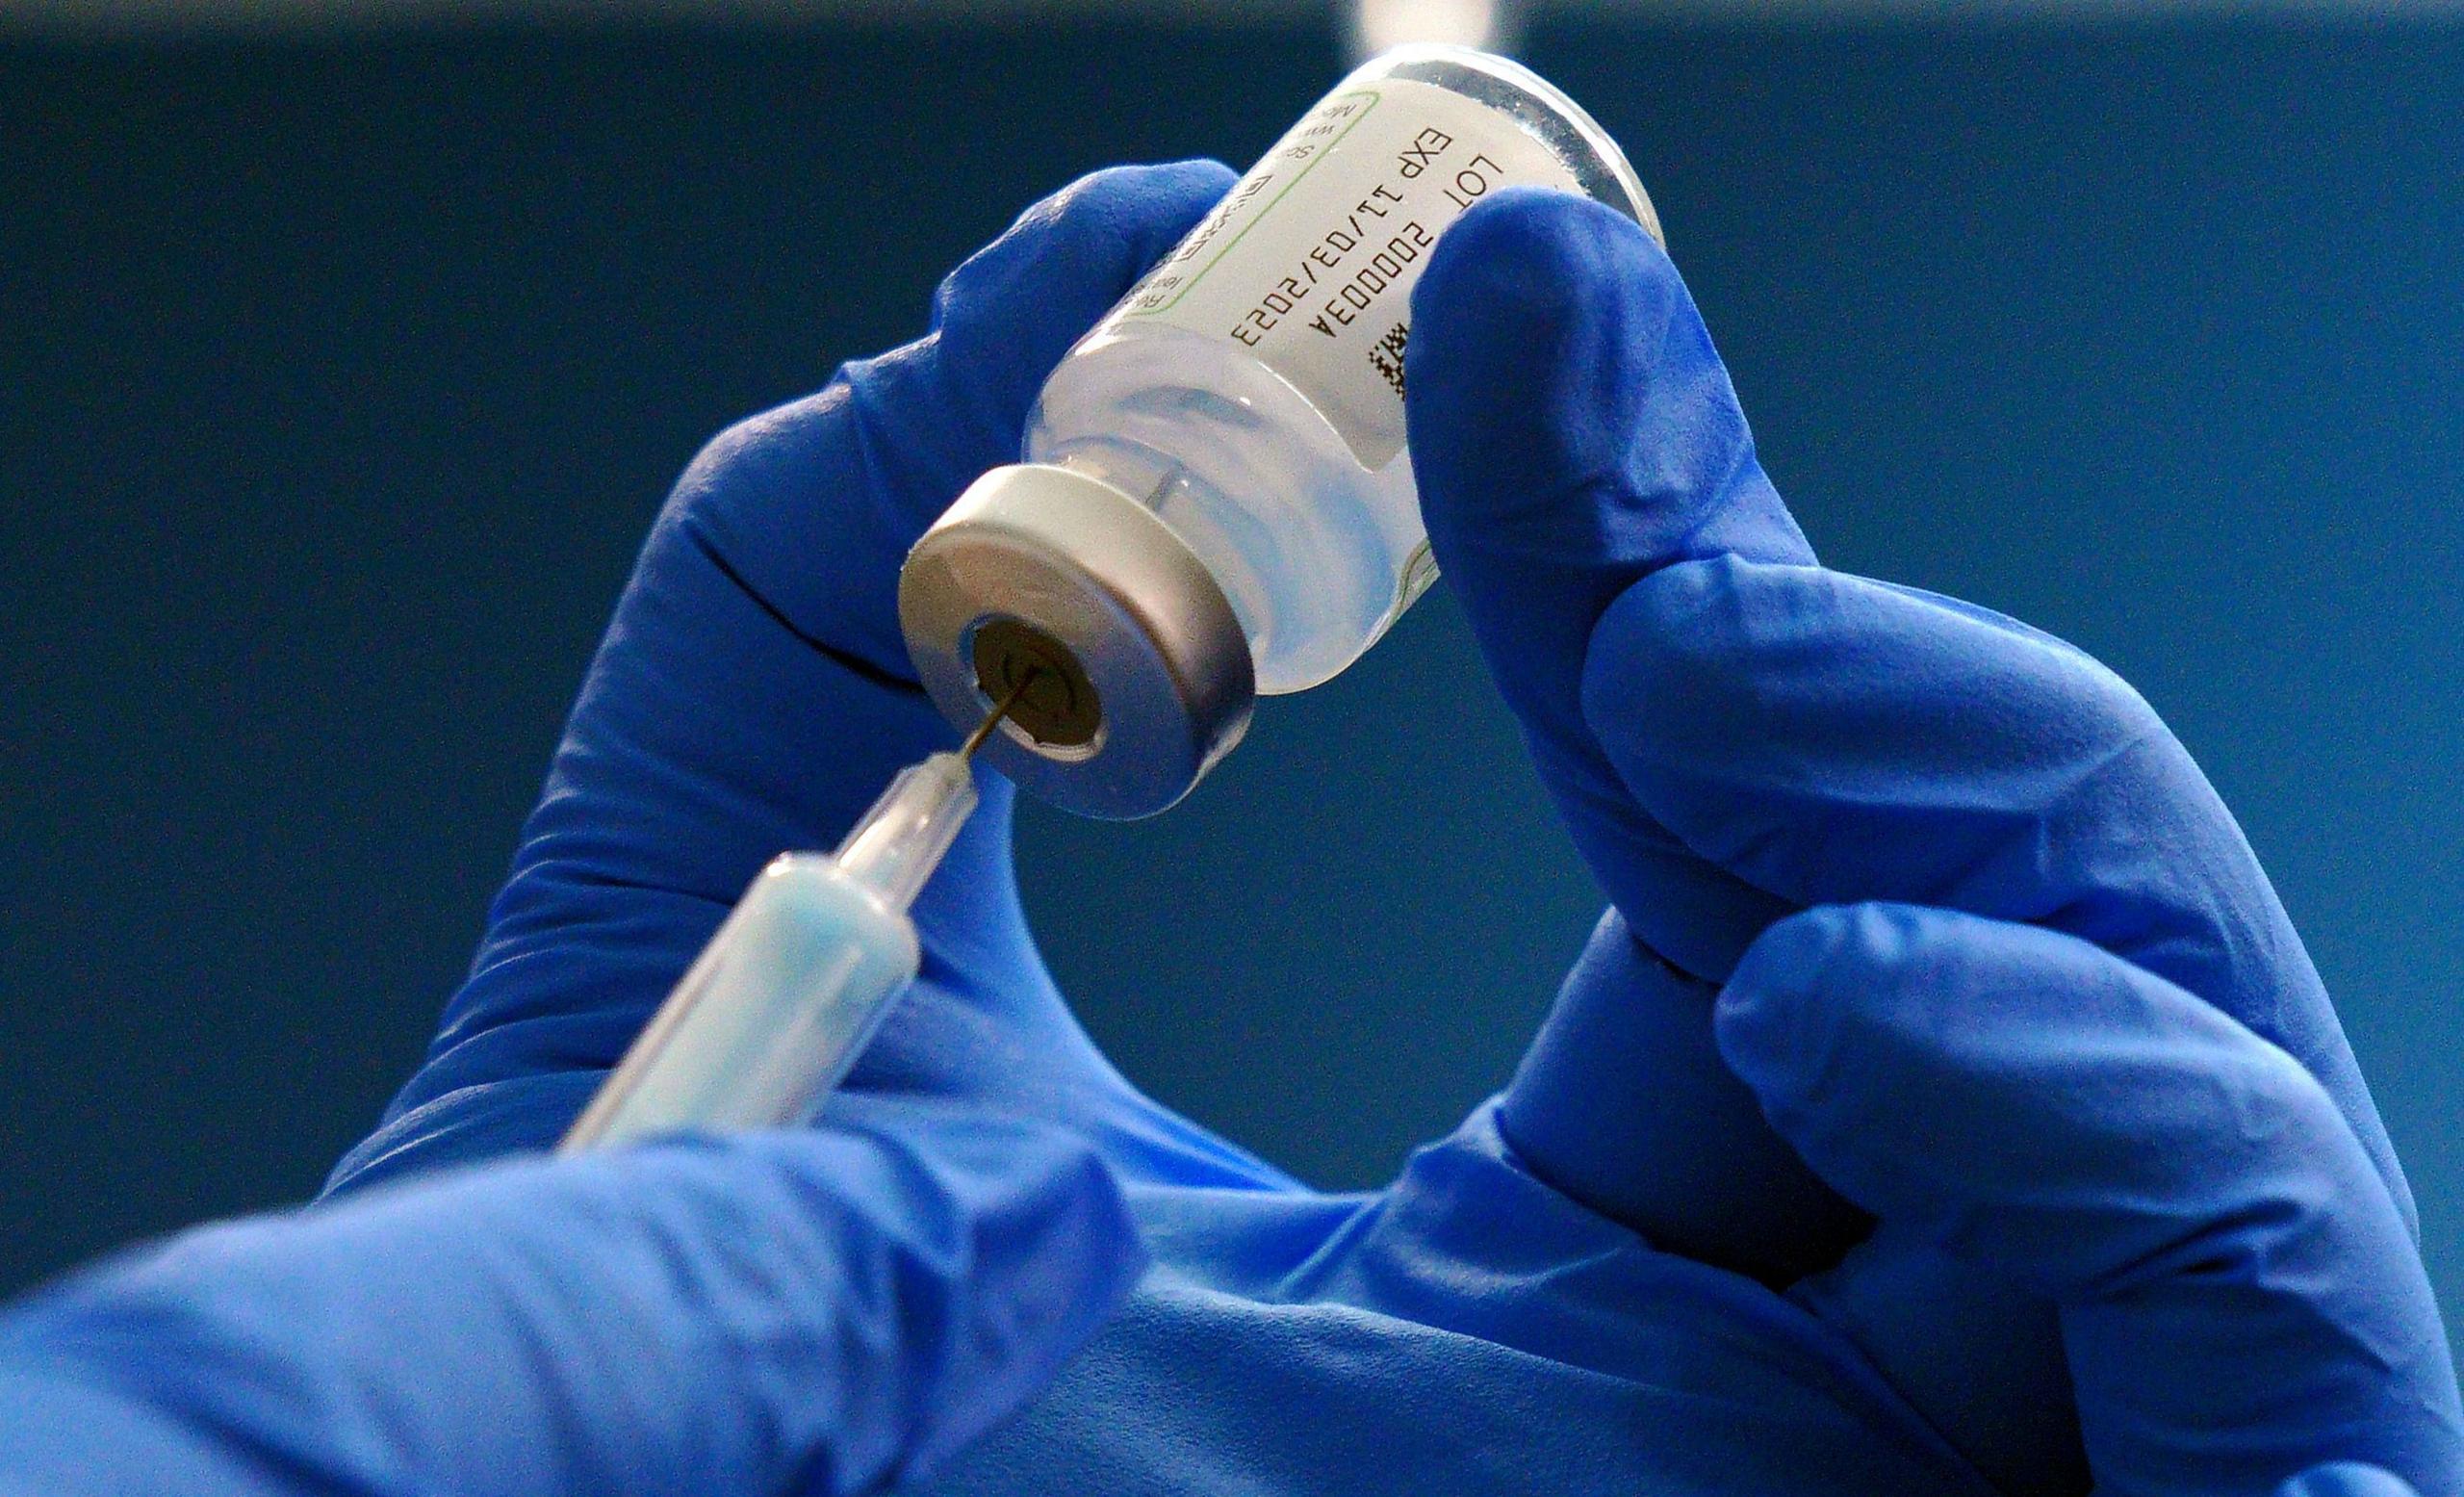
771 1016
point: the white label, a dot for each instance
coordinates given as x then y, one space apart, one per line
1310 262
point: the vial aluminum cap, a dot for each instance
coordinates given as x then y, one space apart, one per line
1133 674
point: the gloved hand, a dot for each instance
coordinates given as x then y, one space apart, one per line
816 1313
753 695
1601 1283
1998 966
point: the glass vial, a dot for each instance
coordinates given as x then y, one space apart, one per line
1217 498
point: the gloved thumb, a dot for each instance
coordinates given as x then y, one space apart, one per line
814 1312
1573 430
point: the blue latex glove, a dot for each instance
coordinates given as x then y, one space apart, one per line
819 1314
2103 1111
1598 1285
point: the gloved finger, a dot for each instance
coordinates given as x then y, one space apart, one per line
752 697
2346 1478
1830 740
2240 1298
815 504
1623 1103
1732 733
823 1312
1572 431
753 693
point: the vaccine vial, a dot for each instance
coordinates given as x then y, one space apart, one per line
1217 497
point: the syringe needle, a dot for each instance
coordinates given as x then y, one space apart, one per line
992 719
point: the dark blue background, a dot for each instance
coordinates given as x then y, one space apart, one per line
337 383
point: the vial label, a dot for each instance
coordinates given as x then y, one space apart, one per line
1309 263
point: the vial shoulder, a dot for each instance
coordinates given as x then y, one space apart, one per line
1166 413
1308 542
1133 374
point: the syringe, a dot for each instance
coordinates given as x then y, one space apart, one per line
774 1012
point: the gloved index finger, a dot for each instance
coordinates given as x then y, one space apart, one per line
814 505
1826 739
